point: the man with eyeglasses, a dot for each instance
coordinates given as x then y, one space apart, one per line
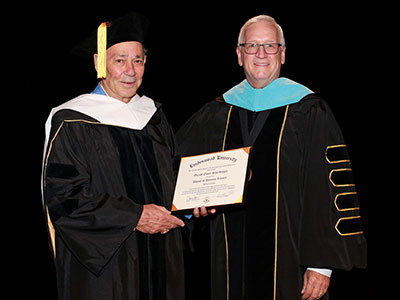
301 217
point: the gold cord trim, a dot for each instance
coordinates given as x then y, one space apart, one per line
277 200
335 161
340 170
227 257
348 208
349 233
223 215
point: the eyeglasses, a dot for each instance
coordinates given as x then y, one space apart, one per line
269 48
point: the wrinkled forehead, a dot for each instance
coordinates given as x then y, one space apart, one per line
133 49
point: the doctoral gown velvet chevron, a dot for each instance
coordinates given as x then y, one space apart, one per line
301 208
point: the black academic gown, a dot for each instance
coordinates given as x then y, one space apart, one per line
97 178
301 208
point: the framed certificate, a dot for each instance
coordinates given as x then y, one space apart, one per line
212 179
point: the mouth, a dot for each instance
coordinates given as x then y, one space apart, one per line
128 83
258 64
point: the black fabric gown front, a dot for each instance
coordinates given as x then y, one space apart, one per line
301 208
97 178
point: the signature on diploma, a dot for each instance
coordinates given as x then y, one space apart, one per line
192 199
225 194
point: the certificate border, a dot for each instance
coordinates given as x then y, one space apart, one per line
248 150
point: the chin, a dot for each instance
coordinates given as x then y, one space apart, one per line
130 93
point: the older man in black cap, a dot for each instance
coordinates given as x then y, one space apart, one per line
108 180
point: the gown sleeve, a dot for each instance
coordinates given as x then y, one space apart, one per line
331 234
92 224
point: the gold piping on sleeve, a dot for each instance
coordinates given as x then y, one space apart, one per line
335 161
349 233
340 185
345 209
277 200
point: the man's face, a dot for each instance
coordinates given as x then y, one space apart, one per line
261 68
125 69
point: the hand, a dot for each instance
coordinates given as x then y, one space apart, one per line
203 212
157 219
315 285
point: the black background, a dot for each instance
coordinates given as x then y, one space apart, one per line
339 50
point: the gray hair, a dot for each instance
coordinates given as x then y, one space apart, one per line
261 18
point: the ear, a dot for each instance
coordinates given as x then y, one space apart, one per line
283 55
239 54
95 61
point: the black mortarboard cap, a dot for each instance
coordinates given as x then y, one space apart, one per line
131 27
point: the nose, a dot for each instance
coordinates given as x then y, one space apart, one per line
261 52
130 69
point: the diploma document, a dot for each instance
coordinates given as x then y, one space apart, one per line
212 179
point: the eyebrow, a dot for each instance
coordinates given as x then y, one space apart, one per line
257 41
126 55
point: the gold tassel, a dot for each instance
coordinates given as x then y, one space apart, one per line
101 50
